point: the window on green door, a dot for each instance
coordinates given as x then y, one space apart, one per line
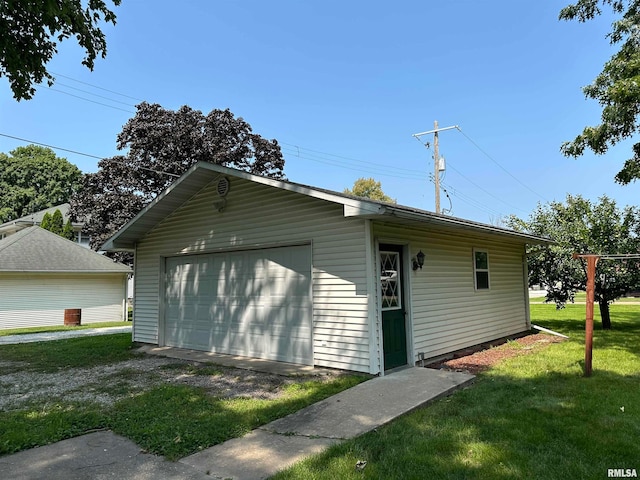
481 269
389 268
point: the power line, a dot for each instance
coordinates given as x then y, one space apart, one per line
499 165
96 86
368 169
365 162
160 172
484 190
50 146
472 182
94 94
88 100
471 201
463 197
307 153
315 155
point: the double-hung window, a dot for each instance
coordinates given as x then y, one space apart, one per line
481 269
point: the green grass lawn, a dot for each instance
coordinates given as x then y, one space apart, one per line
60 328
170 420
535 416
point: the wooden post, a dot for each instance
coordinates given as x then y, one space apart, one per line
592 260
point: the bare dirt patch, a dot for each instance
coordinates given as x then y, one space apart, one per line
482 360
107 384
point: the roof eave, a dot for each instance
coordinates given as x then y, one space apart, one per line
389 213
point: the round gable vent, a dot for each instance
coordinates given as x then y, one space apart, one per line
223 187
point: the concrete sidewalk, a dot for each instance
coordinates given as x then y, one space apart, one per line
360 409
258 455
59 335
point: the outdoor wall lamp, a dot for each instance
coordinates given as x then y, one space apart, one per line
418 262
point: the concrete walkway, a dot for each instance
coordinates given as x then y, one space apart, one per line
62 334
258 455
360 409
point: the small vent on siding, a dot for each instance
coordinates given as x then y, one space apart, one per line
223 187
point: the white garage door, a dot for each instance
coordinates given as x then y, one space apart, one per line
253 303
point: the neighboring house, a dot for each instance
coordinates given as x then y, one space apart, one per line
235 263
14 226
43 274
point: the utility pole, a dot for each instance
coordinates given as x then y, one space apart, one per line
436 157
436 164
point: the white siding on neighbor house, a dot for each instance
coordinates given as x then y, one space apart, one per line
448 314
259 216
34 300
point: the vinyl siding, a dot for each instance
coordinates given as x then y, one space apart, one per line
447 312
34 300
259 216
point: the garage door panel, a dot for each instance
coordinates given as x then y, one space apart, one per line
254 303
287 348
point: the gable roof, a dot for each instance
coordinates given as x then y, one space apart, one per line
203 173
36 218
34 249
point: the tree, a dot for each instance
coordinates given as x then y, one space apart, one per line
46 221
33 178
67 231
160 145
29 32
616 88
369 188
55 224
579 226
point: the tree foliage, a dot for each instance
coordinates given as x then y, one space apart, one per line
160 146
369 188
30 32
55 224
580 226
46 221
616 88
67 231
33 178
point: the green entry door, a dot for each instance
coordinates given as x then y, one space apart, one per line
394 334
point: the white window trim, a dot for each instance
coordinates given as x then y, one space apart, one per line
476 270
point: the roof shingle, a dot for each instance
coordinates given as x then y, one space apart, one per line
37 250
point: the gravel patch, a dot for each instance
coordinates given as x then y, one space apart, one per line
109 383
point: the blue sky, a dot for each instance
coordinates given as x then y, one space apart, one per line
344 85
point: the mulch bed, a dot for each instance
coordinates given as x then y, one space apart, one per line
479 361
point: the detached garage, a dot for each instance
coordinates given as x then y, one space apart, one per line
43 274
230 262
255 303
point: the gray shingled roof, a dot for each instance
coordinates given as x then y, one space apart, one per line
37 250
36 217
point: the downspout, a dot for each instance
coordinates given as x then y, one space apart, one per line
525 282
133 293
125 281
